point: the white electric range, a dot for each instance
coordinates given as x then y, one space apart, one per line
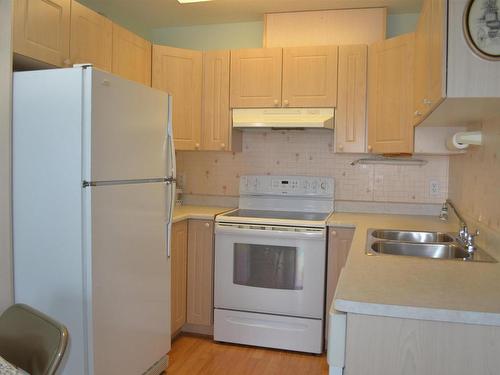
270 261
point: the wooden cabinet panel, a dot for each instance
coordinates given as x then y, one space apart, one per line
217 132
179 72
390 95
350 115
422 47
430 58
437 54
178 261
200 272
309 77
339 243
256 77
91 37
42 30
131 56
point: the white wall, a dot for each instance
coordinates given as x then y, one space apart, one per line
6 289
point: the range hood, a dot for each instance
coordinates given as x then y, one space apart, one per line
283 118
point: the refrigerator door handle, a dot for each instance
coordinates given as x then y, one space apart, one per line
171 203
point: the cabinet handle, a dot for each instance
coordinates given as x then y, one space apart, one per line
341 147
276 102
207 225
418 113
67 62
370 148
285 103
223 146
427 102
333 232
197 146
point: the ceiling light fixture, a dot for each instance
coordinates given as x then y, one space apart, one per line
191 1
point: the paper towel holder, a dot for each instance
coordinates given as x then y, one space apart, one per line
462 140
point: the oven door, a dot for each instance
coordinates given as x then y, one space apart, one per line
270 269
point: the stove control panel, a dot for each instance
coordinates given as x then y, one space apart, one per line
287 186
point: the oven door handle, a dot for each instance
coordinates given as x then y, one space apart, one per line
269 231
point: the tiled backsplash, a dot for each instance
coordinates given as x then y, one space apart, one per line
475 178
311 153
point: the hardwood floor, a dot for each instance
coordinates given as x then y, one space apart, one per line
191 355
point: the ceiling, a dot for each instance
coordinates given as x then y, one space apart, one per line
154 14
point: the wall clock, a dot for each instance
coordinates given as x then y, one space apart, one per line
482 28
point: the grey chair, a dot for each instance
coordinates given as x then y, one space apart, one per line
31 340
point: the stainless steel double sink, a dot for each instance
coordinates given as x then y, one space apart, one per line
435 245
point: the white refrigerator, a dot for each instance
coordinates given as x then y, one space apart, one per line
93 195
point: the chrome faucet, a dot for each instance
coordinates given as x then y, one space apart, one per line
465 238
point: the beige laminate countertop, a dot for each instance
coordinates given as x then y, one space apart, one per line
197 212
415 288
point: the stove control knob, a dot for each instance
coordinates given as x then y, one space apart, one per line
323 185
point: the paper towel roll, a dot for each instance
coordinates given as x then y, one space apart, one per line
453 145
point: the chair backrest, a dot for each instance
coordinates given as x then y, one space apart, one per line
31 340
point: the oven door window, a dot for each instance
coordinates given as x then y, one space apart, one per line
268 266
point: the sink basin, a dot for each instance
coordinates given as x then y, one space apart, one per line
411 236
426 250
425 244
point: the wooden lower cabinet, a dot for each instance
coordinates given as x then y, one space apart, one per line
192 264
339 243
200 272
380 345
178 261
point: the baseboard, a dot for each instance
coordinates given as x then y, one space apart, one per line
198 329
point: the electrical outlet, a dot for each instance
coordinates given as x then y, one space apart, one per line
434 188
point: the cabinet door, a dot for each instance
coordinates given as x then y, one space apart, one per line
42 29
200 272
216 123
350 116
131 56
390 95
310 77
178 261
422 68
256 78
437 54
430 57
91 37
179 72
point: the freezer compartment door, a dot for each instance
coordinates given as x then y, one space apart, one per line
127 130
130 277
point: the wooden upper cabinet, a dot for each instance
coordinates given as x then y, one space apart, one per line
309 76
216 116
437 54
91 37
179 72
256 78
429 90
350 115
390 95
200 274
131 56
178 263
42 30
